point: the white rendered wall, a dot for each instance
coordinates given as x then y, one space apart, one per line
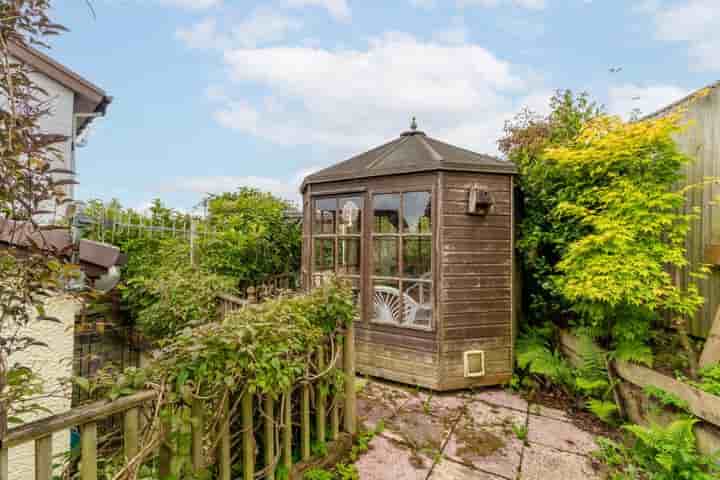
52 364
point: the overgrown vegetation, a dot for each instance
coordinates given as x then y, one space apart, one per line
245 238
265 350
603 232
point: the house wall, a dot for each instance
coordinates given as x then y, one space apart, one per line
52 363
701 140
476 277
61 101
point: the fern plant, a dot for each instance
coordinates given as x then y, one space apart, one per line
659 453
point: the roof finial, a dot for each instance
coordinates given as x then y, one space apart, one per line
413 124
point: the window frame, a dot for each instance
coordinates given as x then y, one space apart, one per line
402 279
336 236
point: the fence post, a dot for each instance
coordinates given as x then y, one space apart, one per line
224 447
198 425
165 454
43 458
321 396
4 467
287 431
305 422
248 442
349 370
88 451
131 433
268 407
193 233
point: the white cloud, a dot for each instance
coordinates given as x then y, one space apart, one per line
264 26
529 4
339 9
192 4
261 27
694 22
626 99
203 34
286 188
353 99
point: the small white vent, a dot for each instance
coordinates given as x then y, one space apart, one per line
474 363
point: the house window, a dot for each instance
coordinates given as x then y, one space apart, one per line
402 259
337 245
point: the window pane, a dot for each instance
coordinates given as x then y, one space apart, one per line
385 256
417 212
386 212
387 304
324 254
325 212
349 256
417 303
417 252
350 215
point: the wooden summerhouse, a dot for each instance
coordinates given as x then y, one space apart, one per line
424 232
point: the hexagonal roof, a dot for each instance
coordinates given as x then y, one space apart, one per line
412 152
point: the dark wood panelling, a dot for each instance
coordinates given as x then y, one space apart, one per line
467 180
477 331
461 206
398 337
477 246
476 232
474 270
467 282
464 220
478 306
476 318
475 294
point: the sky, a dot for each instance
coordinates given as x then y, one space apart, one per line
210 95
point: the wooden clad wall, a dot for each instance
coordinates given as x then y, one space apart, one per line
476 280
701 140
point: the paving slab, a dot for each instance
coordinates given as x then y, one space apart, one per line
560 435
484 439
501 398
376 402
441 405
448 470
544 411
388 460
545 463
421 431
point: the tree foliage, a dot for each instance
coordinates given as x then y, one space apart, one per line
255 238
604 222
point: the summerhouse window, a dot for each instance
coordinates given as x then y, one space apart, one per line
337 230
402 259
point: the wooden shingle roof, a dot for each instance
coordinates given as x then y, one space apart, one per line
412 152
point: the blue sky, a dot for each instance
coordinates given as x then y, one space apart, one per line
213 94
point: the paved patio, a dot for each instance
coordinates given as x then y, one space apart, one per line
485 435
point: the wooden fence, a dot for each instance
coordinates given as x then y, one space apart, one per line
309 423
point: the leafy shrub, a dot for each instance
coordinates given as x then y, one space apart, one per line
174 297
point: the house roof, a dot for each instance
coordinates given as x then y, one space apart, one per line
89 98
412 152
